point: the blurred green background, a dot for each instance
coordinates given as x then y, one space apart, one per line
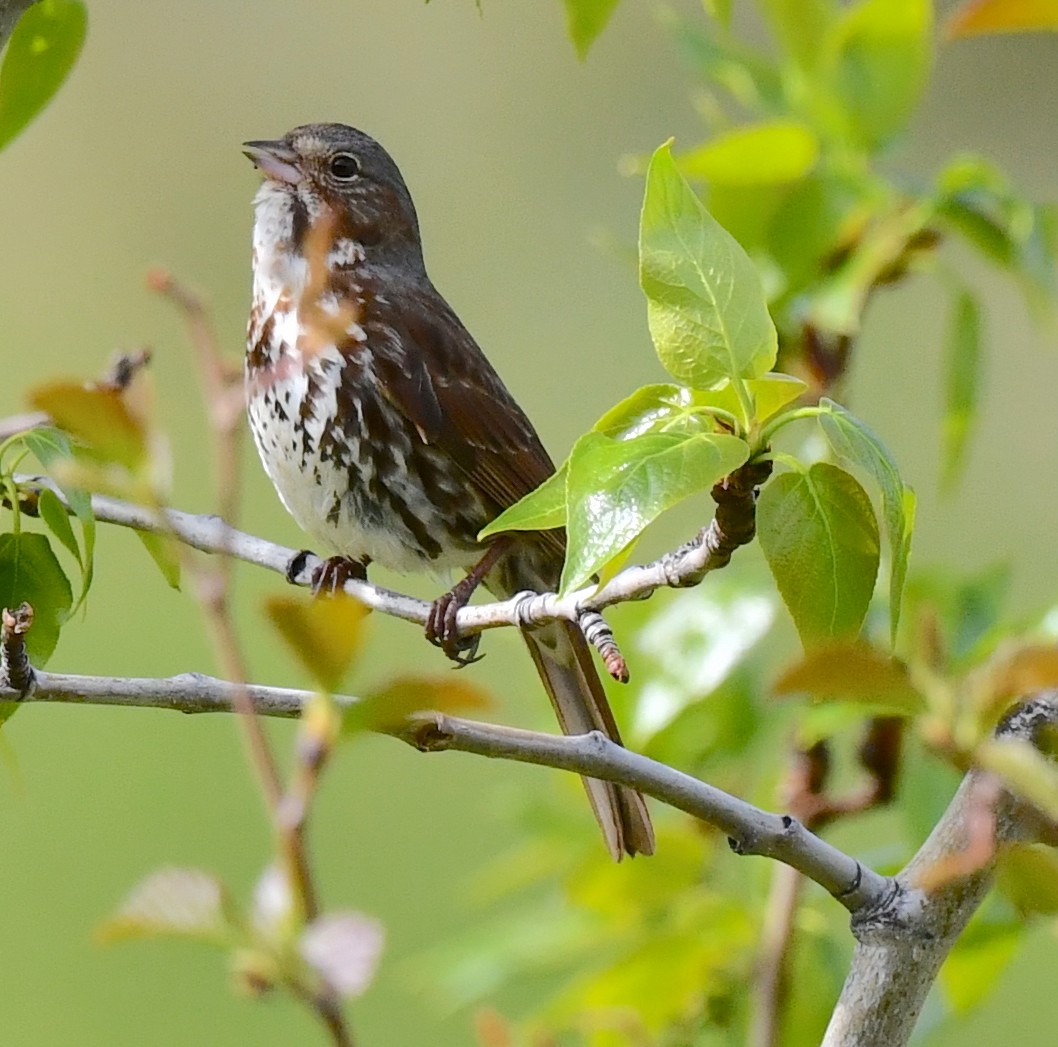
512 150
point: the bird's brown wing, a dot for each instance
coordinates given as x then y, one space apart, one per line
449 391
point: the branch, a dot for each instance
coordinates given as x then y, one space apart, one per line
10 12
712 549
750 830
902 943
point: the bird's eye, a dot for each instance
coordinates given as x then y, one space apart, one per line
344 166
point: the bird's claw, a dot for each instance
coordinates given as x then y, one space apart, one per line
442 630
332 574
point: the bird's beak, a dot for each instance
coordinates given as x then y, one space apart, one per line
275 160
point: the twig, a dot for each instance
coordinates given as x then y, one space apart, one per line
210 534
751 830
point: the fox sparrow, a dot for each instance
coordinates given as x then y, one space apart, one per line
386 432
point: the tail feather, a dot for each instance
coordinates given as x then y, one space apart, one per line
564 663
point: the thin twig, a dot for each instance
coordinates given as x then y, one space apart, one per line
210 534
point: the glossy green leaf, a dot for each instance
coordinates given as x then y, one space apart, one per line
39 56
182 903
540 510
818 532
649 408
977 17
758 154
615 488
385 708
30 572
585 20
99 419
883 56
705 305
962 384
162 550
853 672
856 444
324 634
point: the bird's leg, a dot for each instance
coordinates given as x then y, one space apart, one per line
331 575
441 628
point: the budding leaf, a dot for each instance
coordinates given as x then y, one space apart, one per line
183 903
344 949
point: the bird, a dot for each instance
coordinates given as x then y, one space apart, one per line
387 434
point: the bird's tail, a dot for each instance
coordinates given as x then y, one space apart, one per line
564 663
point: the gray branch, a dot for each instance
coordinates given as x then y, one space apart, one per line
750 830
10 12
210 534
901 944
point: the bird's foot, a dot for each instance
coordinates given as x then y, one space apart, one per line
442 630
332 574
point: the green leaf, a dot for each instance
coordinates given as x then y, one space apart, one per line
705 304
30 572
51 445
649 408
759 154
40 53
856 444
98 418
1024 769
325 634
883 58
1028 876
615 488
977 17
162 549
962 384
385 708
182 903
853 672
585 20
799 25
540 510
773 392
971 971
819 535
55 516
